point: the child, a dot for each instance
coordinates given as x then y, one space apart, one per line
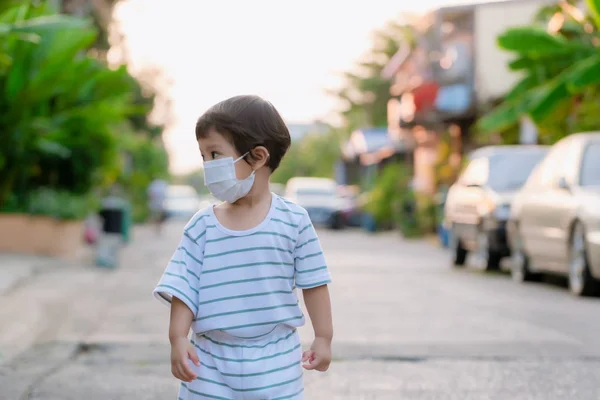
234 276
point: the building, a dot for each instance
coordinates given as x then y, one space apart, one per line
366 152
455 72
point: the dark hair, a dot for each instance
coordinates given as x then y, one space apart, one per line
247 122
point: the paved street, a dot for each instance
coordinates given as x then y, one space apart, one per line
407 326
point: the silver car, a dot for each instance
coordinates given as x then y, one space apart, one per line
182 202
478 204
320 199
554 226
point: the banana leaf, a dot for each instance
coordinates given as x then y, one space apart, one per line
535 42
510 112
584 74
568 84
594 9
523 86
551 96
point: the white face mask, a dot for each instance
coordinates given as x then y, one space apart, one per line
220 179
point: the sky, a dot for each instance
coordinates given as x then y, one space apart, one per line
288 52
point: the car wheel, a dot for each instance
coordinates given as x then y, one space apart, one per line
519 268
484 257
581 281
459 253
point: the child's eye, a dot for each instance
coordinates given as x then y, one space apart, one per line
214 154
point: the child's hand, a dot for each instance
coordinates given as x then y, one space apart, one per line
181 351
319 355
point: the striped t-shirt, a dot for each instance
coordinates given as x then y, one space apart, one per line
243 282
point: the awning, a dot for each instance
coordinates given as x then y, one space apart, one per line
370 146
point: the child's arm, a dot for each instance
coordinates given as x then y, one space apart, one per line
181 348
318 305
181 320
312 276
178 288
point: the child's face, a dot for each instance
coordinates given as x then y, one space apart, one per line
214 146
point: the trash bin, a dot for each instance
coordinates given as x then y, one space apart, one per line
127 222
114 232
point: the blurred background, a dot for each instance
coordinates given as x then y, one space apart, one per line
426 138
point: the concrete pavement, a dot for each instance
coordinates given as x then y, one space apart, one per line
407 326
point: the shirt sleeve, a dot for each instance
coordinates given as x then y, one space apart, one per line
182 276
309 261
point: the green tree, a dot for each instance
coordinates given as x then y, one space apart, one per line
60 108
559 58
140 140
314 155
363 98
365 94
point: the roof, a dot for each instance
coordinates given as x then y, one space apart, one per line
466 5
368 140
371 141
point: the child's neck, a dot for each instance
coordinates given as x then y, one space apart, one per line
248 212
259 195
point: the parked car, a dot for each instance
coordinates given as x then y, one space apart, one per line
320 199
554 224
478 204
182 202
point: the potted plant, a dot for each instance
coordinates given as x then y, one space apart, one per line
50 224
13 222
57 221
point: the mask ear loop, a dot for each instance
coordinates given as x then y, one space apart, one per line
243 157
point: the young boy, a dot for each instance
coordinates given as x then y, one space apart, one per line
234 276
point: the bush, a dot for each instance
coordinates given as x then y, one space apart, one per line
389 196
61 205
393 204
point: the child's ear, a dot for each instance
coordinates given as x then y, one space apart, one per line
260 157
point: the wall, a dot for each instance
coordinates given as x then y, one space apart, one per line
493 79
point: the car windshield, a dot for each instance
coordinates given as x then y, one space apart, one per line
590 166
510 171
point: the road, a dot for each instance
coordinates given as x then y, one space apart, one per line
407 326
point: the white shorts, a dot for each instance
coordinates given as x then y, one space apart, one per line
267 368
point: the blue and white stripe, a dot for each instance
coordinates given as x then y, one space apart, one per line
243 282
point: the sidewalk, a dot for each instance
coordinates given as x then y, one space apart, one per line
16 269
23 317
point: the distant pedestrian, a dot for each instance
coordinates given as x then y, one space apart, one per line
157 194
234 276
